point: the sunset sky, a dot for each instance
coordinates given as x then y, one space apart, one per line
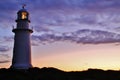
68 34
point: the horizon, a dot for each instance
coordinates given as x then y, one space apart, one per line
70 35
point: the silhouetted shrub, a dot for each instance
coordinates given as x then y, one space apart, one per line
56 74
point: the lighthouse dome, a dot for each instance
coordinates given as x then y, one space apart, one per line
22 10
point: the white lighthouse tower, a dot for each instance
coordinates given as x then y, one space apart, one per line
22 45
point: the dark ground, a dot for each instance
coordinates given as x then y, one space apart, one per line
56 74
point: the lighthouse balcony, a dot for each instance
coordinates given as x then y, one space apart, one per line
22 29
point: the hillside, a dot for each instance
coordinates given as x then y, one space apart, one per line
56 74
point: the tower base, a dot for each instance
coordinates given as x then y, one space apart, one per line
21 66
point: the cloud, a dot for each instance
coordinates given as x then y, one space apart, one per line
84 36
6 9
71 6
4 58
5 61
4 48
52 16
75 3
5 43
8 38
41 29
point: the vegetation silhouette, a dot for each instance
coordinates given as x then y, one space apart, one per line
56 74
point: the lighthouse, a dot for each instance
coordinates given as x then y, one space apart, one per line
22 44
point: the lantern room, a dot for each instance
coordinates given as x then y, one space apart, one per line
22 14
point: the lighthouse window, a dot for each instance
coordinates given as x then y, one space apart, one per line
24 15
